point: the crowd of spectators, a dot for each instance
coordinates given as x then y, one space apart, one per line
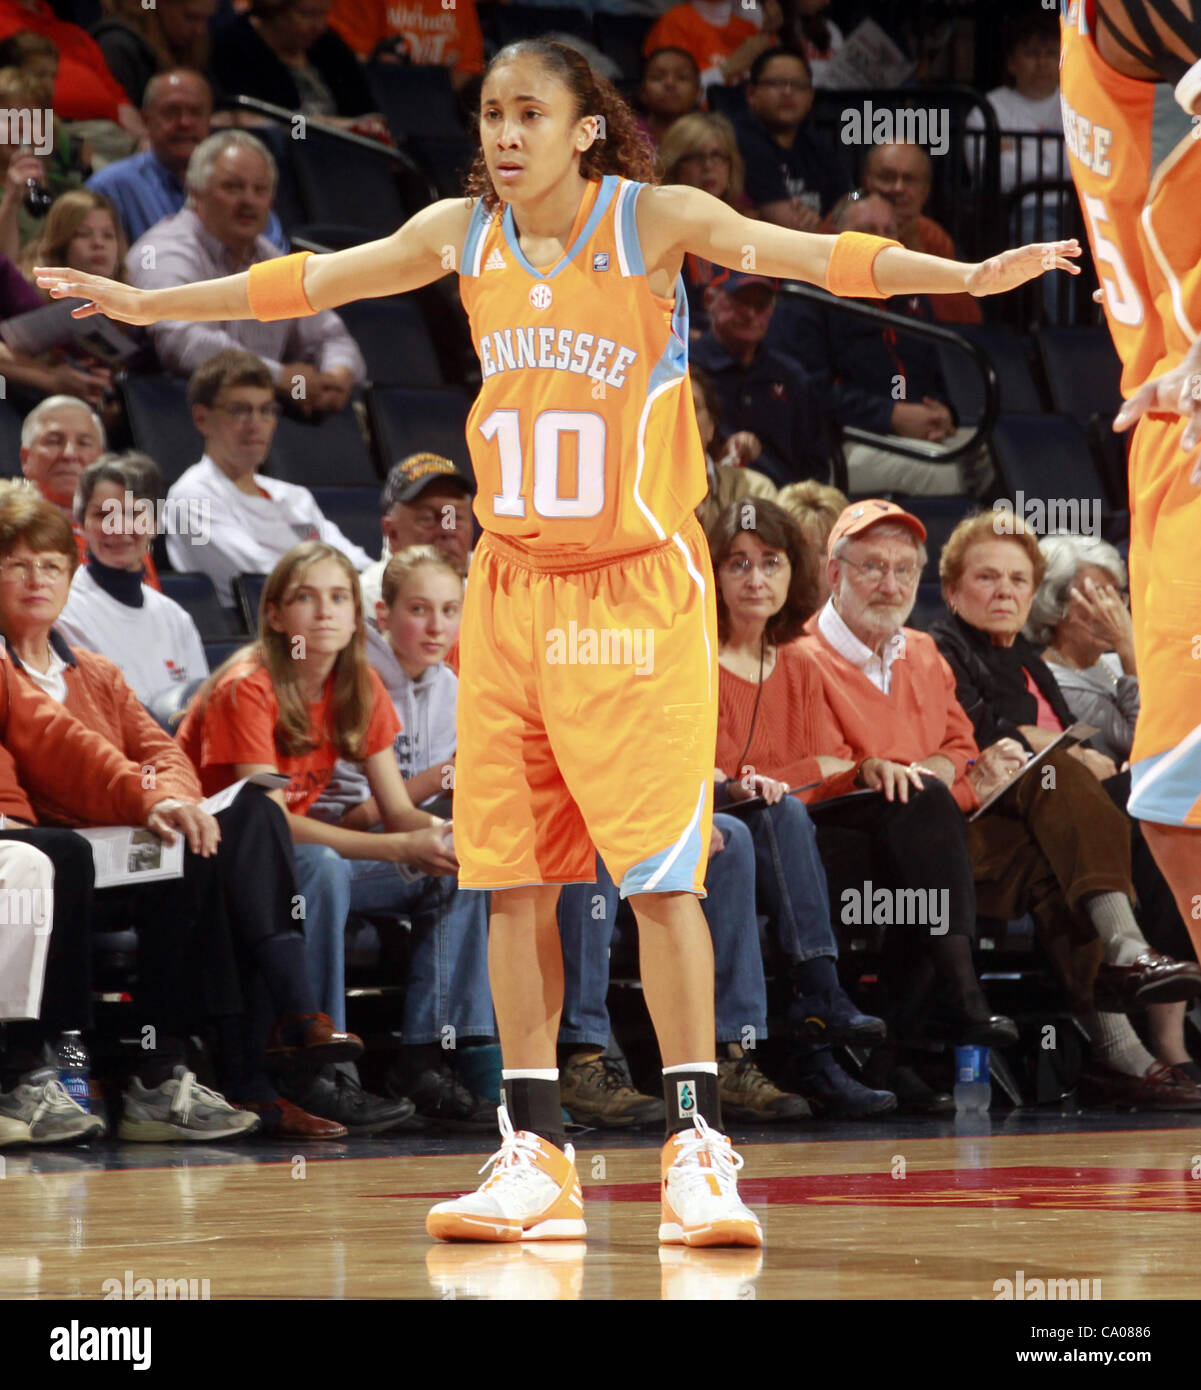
852 748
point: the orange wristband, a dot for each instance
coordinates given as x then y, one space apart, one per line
275 288
849 272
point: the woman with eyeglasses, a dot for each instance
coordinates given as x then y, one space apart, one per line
991 568
771 728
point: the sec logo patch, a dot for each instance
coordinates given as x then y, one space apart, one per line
541 297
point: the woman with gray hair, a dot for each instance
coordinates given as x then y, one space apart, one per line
1079 616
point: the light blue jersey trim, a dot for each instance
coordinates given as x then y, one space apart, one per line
678 878
1165 788
627 230
607 189
473 243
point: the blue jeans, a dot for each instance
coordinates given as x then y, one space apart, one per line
447 984
791 879
586 916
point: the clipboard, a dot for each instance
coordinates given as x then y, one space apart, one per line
757 803
1073 734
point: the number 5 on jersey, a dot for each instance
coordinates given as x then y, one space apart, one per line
549 429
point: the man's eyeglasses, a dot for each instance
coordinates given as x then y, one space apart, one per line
241 411
738 566
875 570
22 571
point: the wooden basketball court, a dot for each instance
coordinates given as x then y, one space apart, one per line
914 1210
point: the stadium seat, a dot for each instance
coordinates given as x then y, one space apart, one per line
248 590
1006 349
342 181
1046 458
216 653
160 422
394 339
10 441
195 594
406 422
415 101
940 516
1109 451
445 158
513 22
329 454
620 36
287 203
1082 370
355 512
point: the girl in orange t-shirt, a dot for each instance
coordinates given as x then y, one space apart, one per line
295 701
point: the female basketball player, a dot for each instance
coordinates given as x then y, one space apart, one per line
585 447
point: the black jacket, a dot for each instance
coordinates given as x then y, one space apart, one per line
990 682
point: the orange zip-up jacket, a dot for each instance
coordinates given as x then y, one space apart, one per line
46 754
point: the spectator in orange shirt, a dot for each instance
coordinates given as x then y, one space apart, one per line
903 174
718 35
84 89
428 31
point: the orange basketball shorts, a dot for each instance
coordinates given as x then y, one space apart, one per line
1165 598
587 716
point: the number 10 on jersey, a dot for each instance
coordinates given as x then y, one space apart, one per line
549 429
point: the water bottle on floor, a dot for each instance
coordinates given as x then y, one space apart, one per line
74 1067
973 1085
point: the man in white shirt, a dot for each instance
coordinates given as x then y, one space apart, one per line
231 178
251 521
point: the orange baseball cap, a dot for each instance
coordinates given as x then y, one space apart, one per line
860 515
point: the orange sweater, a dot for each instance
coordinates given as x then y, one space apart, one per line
791 727
99 698
932 240
918 717
59 762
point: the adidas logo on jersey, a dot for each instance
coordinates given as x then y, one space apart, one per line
495 261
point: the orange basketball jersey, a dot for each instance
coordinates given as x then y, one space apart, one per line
583 436
1133 153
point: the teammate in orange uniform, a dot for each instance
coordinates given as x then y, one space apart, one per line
589 465
1137 163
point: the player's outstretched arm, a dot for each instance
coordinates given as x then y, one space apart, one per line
424 249
680 219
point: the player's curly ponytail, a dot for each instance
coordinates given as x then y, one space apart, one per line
622 148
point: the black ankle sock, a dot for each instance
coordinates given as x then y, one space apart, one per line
534 1106
818 975
688 1094
418 1057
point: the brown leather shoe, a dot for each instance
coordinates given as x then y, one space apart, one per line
319 1043
1162 1088
1151 979
280 1119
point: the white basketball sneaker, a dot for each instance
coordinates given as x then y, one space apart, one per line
532 1193
700 1201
